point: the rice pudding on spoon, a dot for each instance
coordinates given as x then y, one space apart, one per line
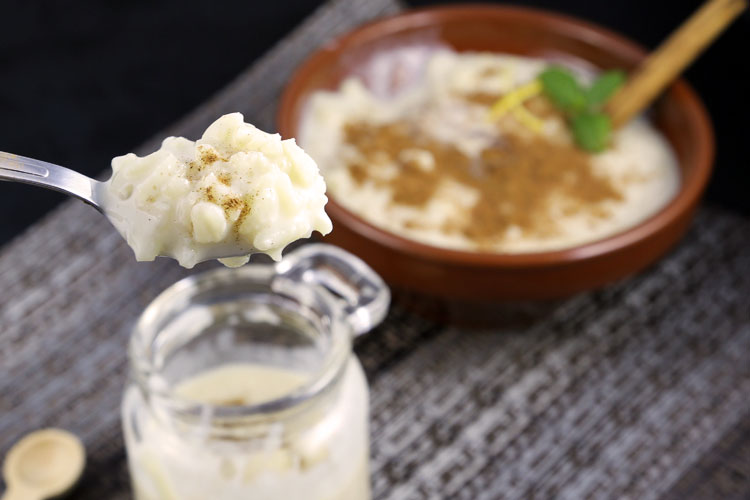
234 192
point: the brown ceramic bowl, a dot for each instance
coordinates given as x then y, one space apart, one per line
463 275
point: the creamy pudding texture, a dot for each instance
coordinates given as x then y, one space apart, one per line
238 384
234 192
433 165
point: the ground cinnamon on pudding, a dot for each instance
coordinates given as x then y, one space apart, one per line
522 181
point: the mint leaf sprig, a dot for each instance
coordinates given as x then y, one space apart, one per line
583 106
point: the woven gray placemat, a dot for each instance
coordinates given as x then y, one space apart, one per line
637 391
615 394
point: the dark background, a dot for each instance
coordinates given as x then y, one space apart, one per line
81 82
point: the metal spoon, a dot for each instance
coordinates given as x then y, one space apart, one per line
48 175
43 465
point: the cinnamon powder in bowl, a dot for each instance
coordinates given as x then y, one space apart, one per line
515 181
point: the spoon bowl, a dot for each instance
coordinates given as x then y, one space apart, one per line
42 465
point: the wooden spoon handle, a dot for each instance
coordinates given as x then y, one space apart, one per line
664 64
17 493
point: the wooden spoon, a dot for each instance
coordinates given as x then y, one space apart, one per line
44 464
664 64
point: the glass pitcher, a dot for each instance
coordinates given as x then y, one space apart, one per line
243 384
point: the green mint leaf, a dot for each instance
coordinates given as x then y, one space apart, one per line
603 88
563 89
592 131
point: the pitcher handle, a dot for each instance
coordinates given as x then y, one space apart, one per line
364 295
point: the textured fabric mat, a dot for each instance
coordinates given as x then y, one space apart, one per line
641 390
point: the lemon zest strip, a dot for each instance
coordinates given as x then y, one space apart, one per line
515 98
528 119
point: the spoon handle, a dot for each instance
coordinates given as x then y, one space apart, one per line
672 56
18 493
48 175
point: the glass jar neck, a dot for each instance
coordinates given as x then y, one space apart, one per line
249 315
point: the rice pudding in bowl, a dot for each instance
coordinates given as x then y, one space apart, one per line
384 55
432 165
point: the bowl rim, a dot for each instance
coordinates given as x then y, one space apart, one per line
689 192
